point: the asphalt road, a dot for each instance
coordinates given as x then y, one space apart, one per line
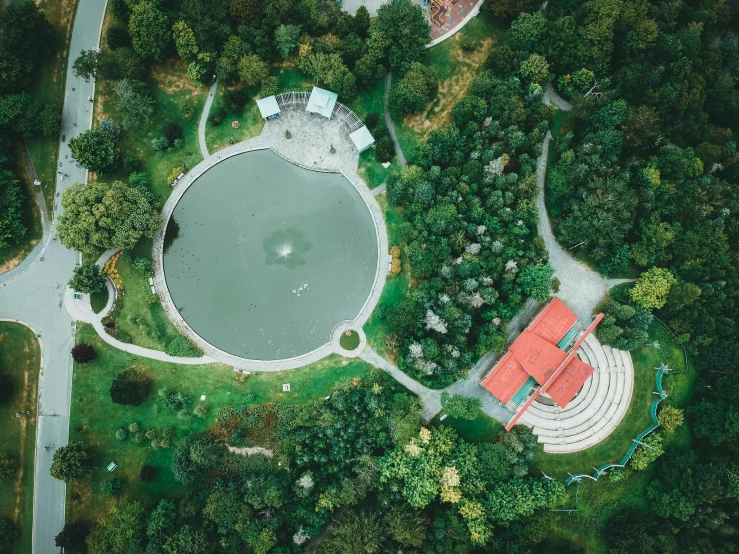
35 297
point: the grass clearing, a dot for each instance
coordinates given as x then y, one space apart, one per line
456 70
47 85
98 418
395 288
20 358
146 323
13 255
478 430
250 120
349 342
637 418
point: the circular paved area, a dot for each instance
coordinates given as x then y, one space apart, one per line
303 150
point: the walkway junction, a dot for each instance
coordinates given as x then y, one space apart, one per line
542 360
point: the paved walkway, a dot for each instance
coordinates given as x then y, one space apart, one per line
389 121
551 97
377 191
38 193
204 119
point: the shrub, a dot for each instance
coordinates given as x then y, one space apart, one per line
384 149
121 434
110 127
201 410
670 418
160 144
83 353
372 120
71 462
134 427
235 99
117 37
138 179
8 532
8 467
270 86
216 115
169 432
131 164
139 437
148 473
143 266
184 415
461 407
173 400
151 434
616 475
181 346
131 388
112 487
87 279
249 398
172 131
70 536
469 44
647 452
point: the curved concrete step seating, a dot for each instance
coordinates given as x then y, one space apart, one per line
596 410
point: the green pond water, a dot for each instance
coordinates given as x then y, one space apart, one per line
254 230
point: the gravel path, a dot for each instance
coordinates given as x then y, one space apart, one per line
204 119
389 121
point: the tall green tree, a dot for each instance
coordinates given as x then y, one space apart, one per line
150 32
71 462
95 150
87 278
118 530
402 27
100 215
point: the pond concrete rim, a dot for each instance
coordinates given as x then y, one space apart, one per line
332 345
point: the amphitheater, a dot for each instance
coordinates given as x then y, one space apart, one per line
597 409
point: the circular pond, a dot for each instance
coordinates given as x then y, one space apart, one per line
270 257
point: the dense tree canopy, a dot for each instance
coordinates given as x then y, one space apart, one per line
100 215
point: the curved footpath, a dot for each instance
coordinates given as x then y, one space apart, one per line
34 296
204 119
389 121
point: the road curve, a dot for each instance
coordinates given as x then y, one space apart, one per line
35 296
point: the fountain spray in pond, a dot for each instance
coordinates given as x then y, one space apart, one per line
287 248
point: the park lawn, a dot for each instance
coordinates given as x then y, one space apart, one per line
98 418
456 70
478 430
147 324
251 122
395 288
372 100
98 300
637 417
14 254
48 86
20 357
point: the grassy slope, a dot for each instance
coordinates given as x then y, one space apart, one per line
20 356
251 121
13 255
456 70
48 86
395 289
99 418
147 324
98 300
598 501
372 99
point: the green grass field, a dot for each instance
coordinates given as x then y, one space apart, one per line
20 358
147 324
456 70
99 418
48 86
395 288
349 342
13 255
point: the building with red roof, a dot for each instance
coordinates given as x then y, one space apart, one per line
542 359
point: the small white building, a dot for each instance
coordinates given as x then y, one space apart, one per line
322 102
268 107
362 139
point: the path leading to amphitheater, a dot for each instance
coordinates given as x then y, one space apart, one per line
34 296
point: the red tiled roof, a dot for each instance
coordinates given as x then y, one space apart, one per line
554 321
537 356
506 378
566 385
